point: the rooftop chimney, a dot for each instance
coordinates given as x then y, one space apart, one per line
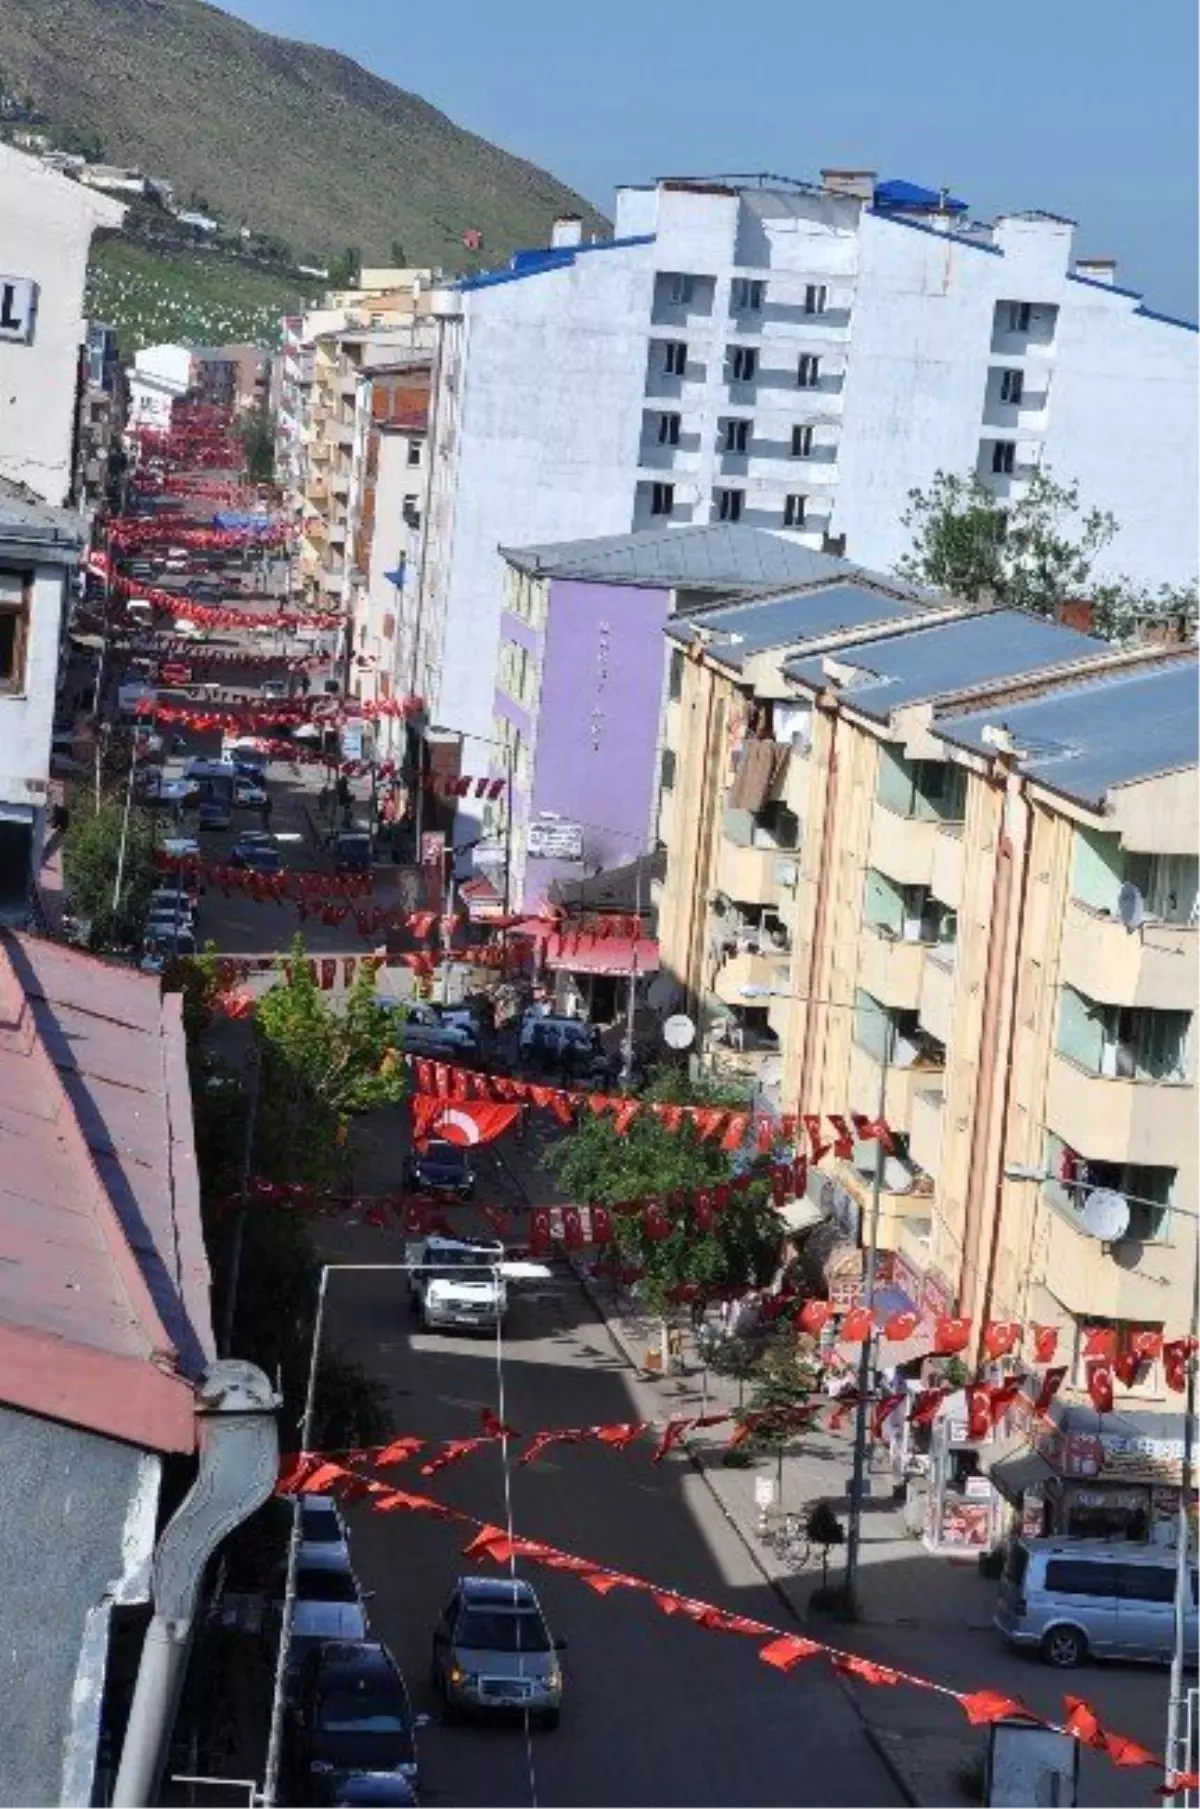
858 184
1097 270
567 230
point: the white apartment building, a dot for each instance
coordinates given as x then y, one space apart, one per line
797 357
47 223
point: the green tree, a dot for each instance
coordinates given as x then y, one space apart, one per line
320 1068
1031 552
601 1165
256 430
345 268
1126 612
399 260
784 1380
91 859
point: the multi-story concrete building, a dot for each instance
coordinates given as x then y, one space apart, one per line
48 226
797 357
103 399
948 868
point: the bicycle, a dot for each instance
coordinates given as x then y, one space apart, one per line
788 1540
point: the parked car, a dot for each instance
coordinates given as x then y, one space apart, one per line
442 1041
370 1789
321 1526
180 847
274 687
493 1653
352 1718
1087 1598
248 794
352 852
214 813
441 1169
327 1604
255 850
159 949
188 630
456 1284
155 788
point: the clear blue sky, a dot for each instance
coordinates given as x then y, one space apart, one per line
1081 107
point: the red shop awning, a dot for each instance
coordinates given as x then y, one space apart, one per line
602 954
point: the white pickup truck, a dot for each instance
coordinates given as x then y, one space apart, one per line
451 1285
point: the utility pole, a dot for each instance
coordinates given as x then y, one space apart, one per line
862 1408
1177 1757
117 883
631 1003
239 1463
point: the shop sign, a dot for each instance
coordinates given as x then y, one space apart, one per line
18 309
1113 1454
552 838
433 848
937 1296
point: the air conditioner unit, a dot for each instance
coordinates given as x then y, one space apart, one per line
786 873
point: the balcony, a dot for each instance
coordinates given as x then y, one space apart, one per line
903 1085
1155 966
925 1127
1118 1281
1117 1120
935 1002
902 847
747 875
899 1206
946 883
763 972
890 968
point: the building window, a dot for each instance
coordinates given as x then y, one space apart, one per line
802 442
815 298
737 435
743 362
668 769
1004 453
675 675
1012 386
16 589
668 430
414 452
746 295
1019 314
1122 1042
411 511
681 289
793 511
808 371
662 499
729 504
675 358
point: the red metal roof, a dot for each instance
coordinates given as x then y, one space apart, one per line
104 1296
584 954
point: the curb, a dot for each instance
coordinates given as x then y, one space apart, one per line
878 1744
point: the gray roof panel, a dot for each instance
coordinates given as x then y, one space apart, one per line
787 621
953 656
1088 738
720 556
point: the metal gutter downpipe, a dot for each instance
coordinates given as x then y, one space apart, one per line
239 1463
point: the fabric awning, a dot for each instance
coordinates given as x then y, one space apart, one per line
800 1215
1025 1469
602 954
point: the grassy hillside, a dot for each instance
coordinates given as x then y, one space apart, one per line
197 299
294 140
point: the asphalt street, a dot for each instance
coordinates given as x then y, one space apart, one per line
655 1711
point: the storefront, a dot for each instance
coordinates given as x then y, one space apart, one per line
963 1512
1087 1476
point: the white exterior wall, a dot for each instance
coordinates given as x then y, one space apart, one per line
46 226
393 540
550 386
27 717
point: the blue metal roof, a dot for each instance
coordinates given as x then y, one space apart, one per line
899 193
789 621
535 261
950 656
1107 731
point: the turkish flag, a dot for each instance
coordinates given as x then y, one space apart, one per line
856 1326
813 1316
799 1177
1003 1396
1100 1341
474 1121
1176 1355
1100 1383
925 1406
572 1228
702 1210
1000 1336
1147 1346
1052 1381
950 1335
1045 1342
414 1219
721 1193
901 1326
817 1148
843 1147
1126 1367
602 1225
979 1410
983 1706
541 1240
1083 1723
657 1224
781 1174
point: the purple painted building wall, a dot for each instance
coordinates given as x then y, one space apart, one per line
595 726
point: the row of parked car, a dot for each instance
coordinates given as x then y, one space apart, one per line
351 1732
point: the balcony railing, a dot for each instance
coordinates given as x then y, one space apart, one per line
1119 1120
1154 967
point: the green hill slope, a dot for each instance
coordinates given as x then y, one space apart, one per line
284 137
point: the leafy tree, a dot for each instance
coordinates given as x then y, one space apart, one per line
256 430
91 858
784 1380
599 1164
345 268
399 260
1123 611
1028 553
320 1068
824 1529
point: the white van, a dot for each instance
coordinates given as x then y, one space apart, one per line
141 609
1073 1599
189 631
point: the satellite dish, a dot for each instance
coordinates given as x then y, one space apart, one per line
1131 907
662 993
1105 1215
679 1032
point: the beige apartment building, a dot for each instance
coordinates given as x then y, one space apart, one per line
950 865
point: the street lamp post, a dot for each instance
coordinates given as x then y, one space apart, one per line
1176 1757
